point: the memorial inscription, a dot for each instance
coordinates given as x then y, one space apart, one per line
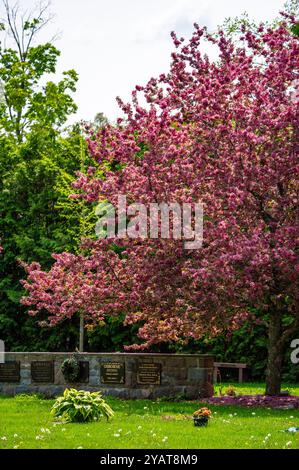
149 373
42 371
113 373
10 372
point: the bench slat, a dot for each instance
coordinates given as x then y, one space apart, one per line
234 365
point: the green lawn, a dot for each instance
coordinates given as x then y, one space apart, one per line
254 388
25 422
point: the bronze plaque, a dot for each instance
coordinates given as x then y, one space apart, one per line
113 373
149 373
42 371
10 372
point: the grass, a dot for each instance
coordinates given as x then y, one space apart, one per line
254 388
25 422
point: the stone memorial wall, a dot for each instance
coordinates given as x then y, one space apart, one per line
133 375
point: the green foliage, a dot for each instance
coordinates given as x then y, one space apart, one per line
248 344
38 162
232 25
111 335
81 406
27 103
37 218
295 29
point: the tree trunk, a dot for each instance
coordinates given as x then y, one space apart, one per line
81 335
275 354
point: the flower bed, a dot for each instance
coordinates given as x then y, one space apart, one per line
291 402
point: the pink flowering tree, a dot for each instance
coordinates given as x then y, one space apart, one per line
222 132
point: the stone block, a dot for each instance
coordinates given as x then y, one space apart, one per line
94 381
196 375
25 374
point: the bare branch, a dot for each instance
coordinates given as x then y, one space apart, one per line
11 14
17 22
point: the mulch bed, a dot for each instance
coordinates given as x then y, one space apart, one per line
285 403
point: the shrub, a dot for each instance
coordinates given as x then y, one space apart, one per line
81 406
70 369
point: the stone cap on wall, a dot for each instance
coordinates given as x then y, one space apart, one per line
116 353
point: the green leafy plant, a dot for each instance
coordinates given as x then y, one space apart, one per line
81 406
29 397
70 369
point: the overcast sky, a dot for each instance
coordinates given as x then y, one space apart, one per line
116 44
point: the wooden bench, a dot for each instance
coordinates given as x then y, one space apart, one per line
229 365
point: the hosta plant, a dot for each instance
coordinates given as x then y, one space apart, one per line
81 406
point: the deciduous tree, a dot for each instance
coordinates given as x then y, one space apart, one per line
224 133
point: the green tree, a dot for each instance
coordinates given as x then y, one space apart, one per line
38 161
25 104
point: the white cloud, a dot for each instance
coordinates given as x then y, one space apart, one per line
117 44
